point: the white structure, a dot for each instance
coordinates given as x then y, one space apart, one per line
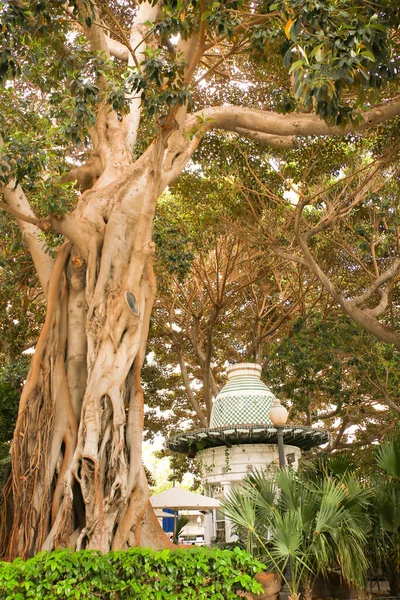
178 498
196 507
232 464
241 438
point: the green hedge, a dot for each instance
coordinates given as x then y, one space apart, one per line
140 573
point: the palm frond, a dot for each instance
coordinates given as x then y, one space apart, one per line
388 457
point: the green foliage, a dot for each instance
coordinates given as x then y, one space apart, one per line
159 82
388 458
180 524
174 244
328 367
301 526
12 376
197 574
334 46
332 512
384 481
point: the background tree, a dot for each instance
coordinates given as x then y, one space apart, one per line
327 368
331 373
340 220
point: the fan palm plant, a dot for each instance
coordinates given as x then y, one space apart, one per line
388 457
302 528
385 513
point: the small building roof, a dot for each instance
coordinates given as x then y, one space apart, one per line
178 498
190 442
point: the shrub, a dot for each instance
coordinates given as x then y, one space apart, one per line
139 573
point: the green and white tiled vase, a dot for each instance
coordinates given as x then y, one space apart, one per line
244 399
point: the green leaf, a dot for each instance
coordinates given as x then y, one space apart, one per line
369 55
316 50
296 65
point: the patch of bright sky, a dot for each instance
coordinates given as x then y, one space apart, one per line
291 194
160 468
350 431
379 407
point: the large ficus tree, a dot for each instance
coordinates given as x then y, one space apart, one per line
103 105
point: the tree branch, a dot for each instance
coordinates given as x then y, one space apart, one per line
31 232
200 48
296 124
266 139
208 356
383 278
382 390
292 257
121 33
117 49
137 46
185 377
366 319
329 414
342 429
85 175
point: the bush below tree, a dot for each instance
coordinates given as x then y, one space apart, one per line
182 574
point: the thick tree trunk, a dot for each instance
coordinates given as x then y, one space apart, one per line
77 476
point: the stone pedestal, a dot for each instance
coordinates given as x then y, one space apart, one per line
223 464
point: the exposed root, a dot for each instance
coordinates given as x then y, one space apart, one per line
53 299
131 522
63 409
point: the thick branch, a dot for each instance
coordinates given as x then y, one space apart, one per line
28 224
137 46
292 257
117 49
95 33
296 124
85 175
365 318
383 278
176 159
108 138
195 59
266 139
